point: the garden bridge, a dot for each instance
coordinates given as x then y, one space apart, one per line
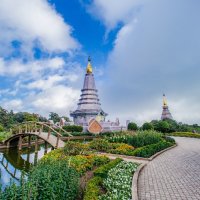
40 130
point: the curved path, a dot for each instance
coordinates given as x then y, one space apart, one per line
174 175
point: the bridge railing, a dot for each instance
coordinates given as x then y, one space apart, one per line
37 128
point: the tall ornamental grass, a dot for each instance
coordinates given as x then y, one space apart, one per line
48 180
141 138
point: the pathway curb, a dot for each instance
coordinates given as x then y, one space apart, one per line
139 169
135 181
123 156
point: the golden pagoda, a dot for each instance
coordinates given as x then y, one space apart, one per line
165 112
89 66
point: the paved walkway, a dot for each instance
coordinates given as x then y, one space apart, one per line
174 174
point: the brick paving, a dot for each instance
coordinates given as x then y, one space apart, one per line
174 175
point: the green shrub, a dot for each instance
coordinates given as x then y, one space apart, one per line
162 126
147 126
73 128
75 148
1 128
121 148
99 145
103 170
110 133
149 150
132 126
48 180
84 163
100 160
55 180
142 138
170 139
4 136
93 189
186 134
82 134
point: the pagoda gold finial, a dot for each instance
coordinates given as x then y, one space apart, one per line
89 66
164 100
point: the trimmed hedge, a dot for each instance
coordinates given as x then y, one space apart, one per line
149 150
185 134
103 170
93 188
73 128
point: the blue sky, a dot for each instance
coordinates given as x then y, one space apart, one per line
140 49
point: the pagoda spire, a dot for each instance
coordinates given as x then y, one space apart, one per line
165 113
89 106
164 100
89 66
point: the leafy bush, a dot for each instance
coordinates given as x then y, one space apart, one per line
162 126
93 189
186 134
82 134
1 128
48 180
110 133
85 163
118 181
132 126
149 150
121 148
147 126
81 163
73 128
55 180
169 139
103 170
4 136
99 145
75 148
142 138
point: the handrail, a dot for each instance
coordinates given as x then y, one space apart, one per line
37 128
39 123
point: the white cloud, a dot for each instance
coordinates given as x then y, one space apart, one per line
156 51
18 67
60 99
14 104
33 23
114 11
45 83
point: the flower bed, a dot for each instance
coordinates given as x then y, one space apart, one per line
81 163
149 142
118 181
111 181
103 145
94 185
121 148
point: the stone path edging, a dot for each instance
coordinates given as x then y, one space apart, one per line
135 181
139 169
124 156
